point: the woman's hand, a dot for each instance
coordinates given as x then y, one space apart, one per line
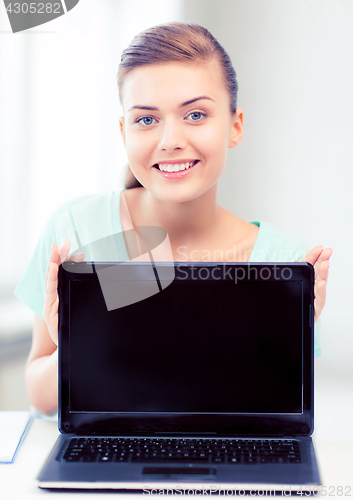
319 258
51 302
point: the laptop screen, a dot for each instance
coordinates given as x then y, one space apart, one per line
198 346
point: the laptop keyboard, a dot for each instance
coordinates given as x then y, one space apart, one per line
225 451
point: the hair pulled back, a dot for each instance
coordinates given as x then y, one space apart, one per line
175 42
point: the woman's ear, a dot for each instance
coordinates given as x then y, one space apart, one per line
121 125
237 129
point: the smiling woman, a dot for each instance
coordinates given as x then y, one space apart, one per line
178 91
183 43
186 131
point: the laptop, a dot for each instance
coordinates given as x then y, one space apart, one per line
185 377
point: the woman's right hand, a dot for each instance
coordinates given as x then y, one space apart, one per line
51 302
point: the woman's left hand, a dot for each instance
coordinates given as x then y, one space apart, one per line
319 258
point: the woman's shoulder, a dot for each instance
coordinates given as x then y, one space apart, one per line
275 245
86 217
87 202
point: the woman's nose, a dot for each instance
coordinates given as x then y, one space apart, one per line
172 136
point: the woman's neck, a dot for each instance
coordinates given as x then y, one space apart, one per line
193 227
192 223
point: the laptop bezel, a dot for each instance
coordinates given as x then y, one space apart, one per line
216 425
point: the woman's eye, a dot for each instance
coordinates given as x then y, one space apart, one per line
146 120
196 115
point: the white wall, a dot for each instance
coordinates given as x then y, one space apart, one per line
294 167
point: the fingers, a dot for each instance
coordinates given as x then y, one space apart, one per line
64 250
319 258
52 285
77 257
51 301
313 255
323 257
321 277
317 254
59 255
322 270
321 267
54 257
320 299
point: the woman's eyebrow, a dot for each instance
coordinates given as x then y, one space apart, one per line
194 100
186 103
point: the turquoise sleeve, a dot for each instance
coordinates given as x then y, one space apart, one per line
31 289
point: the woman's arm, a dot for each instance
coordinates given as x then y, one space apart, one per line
42 369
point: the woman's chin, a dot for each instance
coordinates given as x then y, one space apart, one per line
182 194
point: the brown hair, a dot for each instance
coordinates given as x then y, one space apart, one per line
164 43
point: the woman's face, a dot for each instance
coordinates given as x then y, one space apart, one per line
177 114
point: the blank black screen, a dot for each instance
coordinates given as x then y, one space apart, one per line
197 346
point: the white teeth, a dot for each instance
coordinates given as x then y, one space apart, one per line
176 167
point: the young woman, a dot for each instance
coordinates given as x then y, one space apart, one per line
178 90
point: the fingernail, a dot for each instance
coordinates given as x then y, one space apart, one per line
51 248
50 265
80 254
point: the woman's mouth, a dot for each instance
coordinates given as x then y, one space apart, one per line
175 170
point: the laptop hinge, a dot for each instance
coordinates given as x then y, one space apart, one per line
288 433
185 433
